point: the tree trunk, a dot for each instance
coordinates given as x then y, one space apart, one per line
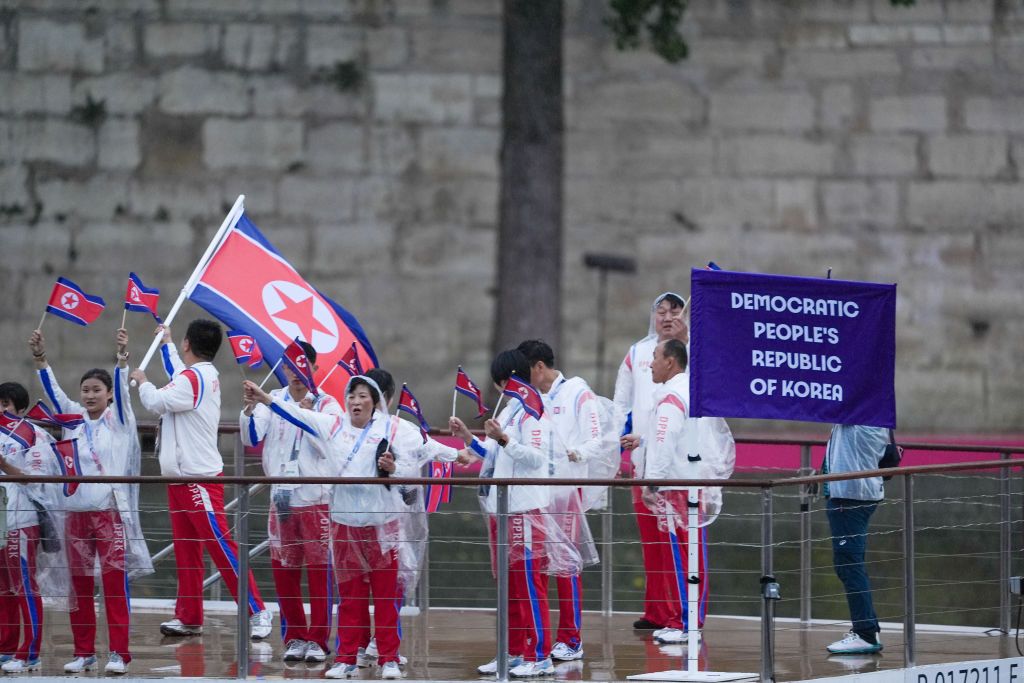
530 221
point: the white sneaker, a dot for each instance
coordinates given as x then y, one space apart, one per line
175 627
533 669
491 667
116 665
261 624
673 636
565 653
16 666
660 631
390 671
80 664
853 644
295 650
315 654
371 649
340 670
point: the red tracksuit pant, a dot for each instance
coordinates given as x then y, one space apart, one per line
671 558
198 522
21 607
363 568
529 622
86 535
656 608
305 536
570 610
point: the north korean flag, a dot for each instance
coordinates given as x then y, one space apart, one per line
249 286
140 298
245 348
350 362
408 404
68 301
18 430
41 412
527 395
464 385
295 359
439 493
67 457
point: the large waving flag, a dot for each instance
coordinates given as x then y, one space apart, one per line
439 493
249 286
140 298
67 457
407 403
41 412
17 429
68 301
527 395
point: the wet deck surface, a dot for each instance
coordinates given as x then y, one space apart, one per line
448 645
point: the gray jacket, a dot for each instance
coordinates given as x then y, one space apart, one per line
855 448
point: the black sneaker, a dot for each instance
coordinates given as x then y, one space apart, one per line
644 624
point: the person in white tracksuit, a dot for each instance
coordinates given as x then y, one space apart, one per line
299 524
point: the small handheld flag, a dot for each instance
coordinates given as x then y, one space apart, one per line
140 298
68 301
18 430
350 362
408 403
437 494
41 412
295 358
245 348
465 386
527 395
67 457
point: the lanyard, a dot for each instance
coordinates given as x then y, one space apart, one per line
359 444
92 445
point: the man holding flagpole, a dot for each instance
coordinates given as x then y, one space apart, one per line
189 409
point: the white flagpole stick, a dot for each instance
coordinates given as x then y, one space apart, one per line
327 377
41 320
455 393
124 317
271 373
233 215
497 405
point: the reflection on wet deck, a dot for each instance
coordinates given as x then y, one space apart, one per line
446 644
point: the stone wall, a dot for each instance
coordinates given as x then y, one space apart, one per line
881 142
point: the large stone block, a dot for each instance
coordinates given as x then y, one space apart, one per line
61 142
964 205
893 34
426 98
950 398
119 144
638 101
32 248
955 34
476 49
796 205
994 115
921 10
953 58
712 203
460 152
440 250
835 65
176 200
970 10
252 143
783 111
189 90
387 47
838 110
32 94
884 155
853 203
983 156
181 39
250 46
355 247
121 93
324 199
45 45
96 198
912 112
337 146
326 45
774 155
14 197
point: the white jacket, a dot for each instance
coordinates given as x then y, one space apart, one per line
529 454
104 444
574 412
672 441
281 438
634 389
353 453
189 409
39 461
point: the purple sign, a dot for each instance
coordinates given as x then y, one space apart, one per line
792 348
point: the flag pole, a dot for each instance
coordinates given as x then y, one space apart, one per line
271 373
41 320
497 405
124 318
326 377
233 215
455 394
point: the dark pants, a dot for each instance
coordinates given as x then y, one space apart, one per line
848 520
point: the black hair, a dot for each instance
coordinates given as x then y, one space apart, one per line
673 348
510 362
14 393
308 349
361 382
537 350
204 338
100 374
673 300
384 380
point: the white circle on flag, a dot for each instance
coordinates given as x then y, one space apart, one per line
69 301
245 345
298 312
135 293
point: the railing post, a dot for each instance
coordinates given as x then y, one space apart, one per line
242 535
1005 547
805 538
501 557
909 607
423 587
767 603
607 577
